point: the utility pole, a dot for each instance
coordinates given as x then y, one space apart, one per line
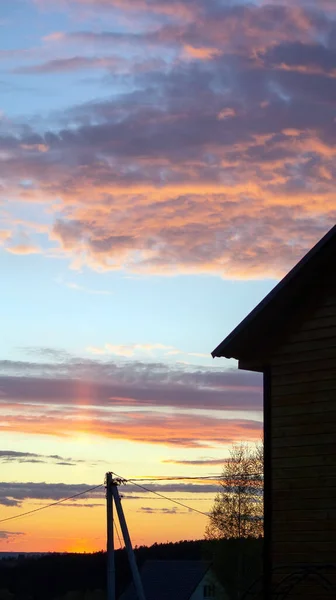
131 558
111 587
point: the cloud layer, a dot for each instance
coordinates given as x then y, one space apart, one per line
139 401
216 154
14 494
8 535
13 456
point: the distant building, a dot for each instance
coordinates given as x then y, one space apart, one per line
178 580
290 337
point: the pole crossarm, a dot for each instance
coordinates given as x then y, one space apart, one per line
115 480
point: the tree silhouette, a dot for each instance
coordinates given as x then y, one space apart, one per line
238 507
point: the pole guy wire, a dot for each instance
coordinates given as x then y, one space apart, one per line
118 535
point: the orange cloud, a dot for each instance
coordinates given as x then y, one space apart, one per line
200 53
23 249
4 235
35 147
178 430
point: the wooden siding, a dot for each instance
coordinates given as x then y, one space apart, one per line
303 426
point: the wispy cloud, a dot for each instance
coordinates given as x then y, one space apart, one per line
201 462
77 287
68 65
12 456
8 535
20 243
131 349
149 510
144 349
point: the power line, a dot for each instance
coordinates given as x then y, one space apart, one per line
200 478
165 497
30 512
146 498
134 481
180 478
171 500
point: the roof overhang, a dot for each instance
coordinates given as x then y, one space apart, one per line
252 341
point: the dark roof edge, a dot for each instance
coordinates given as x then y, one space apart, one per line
204 574
218 351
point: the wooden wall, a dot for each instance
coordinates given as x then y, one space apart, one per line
303 425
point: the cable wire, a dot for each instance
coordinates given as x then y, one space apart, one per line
180 478
202 477
30 512
146 498
134 481
165 497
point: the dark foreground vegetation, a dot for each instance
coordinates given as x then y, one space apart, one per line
83 576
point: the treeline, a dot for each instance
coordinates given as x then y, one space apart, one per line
83 576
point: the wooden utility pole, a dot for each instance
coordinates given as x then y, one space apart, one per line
131 558
111 587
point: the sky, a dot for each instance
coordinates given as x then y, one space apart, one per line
163 163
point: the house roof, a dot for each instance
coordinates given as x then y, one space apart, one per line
251 340
169 579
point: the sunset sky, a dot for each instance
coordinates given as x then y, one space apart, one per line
162 164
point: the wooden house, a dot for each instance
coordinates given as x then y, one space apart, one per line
178 580
290 337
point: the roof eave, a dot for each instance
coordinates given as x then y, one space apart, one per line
234 345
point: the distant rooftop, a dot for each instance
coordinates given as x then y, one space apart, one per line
169 579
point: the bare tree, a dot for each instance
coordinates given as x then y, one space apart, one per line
238 507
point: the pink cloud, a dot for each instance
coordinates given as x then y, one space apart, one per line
56 36
177 8
226 113
223 164
65 65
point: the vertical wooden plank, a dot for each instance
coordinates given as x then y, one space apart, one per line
268 563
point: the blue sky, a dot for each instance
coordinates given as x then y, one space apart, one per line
74 310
